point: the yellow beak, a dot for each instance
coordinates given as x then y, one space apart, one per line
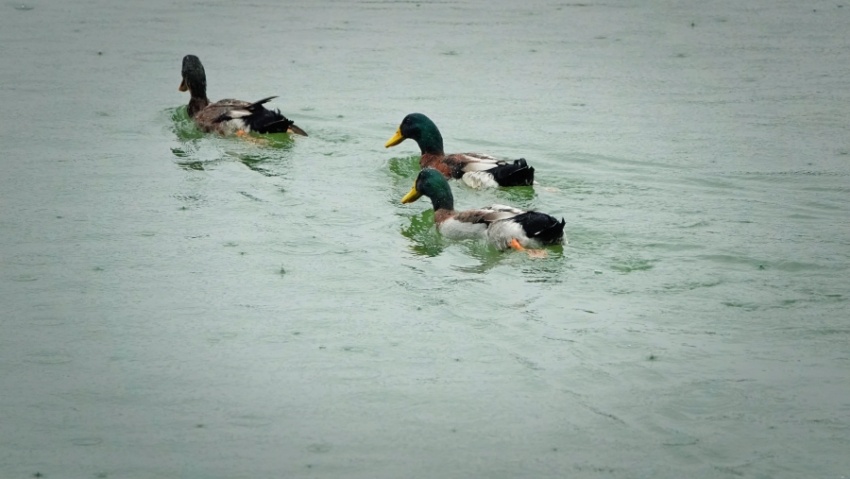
411 196
395 140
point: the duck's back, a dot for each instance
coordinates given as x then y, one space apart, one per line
208 119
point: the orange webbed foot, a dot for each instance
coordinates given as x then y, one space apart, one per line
537 253
532 253
247 136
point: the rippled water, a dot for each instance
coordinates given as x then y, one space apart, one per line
181 305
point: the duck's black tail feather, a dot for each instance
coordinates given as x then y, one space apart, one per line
259 103
517 173
263 120
542 227
293 128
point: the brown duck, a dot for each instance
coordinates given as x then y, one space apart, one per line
229 117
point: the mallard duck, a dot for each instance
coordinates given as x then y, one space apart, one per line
229 116
475 169
503 226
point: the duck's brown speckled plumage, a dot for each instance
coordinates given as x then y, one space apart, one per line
212 112
229 116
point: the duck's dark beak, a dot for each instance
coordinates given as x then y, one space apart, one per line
293 128
183 86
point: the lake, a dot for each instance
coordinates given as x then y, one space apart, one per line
177 304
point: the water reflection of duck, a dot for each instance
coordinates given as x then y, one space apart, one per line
229 116
475 169
503 226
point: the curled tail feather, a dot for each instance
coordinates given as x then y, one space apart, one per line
517 173
542 227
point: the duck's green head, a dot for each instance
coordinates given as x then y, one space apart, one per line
194 77
422 130
431 183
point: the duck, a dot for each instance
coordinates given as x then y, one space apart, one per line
477 170
229 117
502 226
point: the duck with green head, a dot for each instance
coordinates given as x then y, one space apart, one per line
475 169
229 116
503 226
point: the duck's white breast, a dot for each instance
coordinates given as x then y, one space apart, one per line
454 229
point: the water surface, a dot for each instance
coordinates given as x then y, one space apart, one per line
181 305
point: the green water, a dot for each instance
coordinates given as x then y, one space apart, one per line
181 305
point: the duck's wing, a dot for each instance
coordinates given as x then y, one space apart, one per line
232 116
488 214
210 117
